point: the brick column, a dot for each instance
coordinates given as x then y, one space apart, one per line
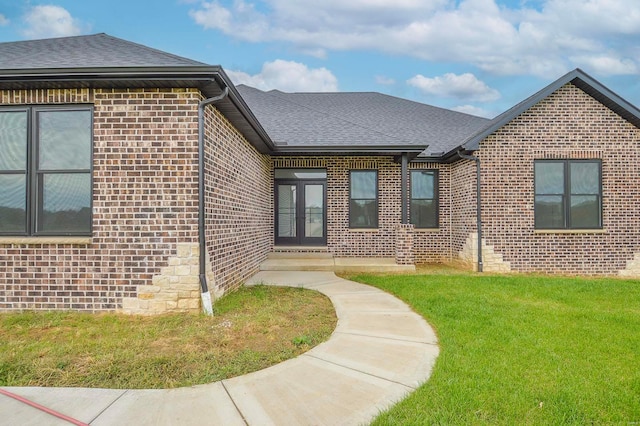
404 244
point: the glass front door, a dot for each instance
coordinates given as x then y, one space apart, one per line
300 217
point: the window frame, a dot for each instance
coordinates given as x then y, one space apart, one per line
567 194
436 197
34 176
376 200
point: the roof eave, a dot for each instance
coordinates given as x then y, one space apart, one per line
445 158
412 150
211 80
105 73
266 145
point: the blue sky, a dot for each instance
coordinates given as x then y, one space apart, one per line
476 56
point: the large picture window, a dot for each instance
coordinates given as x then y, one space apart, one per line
45 171
424 198
568 194
363 199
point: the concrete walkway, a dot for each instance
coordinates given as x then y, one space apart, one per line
380 352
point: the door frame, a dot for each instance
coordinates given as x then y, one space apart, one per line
300 239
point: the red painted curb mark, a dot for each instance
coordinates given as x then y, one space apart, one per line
43 408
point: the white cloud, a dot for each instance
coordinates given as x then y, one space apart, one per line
607 65
51 21
464 86
288 76
542 38
385 81
473 110
3 20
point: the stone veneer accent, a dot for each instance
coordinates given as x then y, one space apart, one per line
175 289
632 270
491 261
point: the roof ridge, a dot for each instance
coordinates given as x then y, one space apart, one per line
162 52
334 116
52 38
371 92
98 41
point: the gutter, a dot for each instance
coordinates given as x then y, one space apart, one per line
411 151
478 204
200 76
204 288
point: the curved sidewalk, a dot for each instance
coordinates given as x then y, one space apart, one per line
379 352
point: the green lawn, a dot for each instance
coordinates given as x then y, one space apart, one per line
252 329
524 349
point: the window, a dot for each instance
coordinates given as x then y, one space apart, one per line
568 194
363 199
45 171
424 198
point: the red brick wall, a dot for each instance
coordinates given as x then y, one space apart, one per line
570 125
463 203
145 198
341 240
429 245
434 245
145 202
239 203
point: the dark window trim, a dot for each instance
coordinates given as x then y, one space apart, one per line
566 195
436 196
25 172
377 201
302 169
33 173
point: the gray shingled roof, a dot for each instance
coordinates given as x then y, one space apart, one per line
357 119
297 122
103 61
92 51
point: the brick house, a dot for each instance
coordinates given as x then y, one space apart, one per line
136 180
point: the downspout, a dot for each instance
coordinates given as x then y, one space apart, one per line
204 288
478 204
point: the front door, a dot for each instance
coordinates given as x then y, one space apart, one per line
300 216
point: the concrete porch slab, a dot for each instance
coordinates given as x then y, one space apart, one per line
299 255
347 265
298 264
285 261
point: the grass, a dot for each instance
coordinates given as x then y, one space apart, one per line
252 329
523 349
